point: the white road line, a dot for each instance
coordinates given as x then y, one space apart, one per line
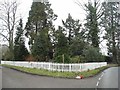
97 84
102 75
99 78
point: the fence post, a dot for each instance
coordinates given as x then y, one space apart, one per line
69 67
49 67
62 67
80 67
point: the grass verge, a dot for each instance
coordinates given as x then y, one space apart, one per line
71 75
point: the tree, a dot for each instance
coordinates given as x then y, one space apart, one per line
92 54
74 34
40 16
71 27
77 47
118 45
20 51
94 11
8 22
110 22
38 29
42 47
61 47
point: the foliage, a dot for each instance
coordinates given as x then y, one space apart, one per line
61 47
29 58
94 12
75 36
42 47
40 16
92 54
20 51
77 46
62 58
39 27
71 27
110 22
75 59
8 55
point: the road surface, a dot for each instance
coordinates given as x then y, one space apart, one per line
109 78
16 79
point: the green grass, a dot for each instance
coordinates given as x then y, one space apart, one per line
43 72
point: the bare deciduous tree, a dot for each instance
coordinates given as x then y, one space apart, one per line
8 21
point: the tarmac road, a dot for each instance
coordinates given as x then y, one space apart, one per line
109 78
15 79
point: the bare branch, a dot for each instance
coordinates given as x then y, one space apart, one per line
3 20
4 36
8 16
81 6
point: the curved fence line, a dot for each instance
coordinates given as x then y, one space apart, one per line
57 66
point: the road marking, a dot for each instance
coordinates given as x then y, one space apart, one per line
102 75
97 83
99 78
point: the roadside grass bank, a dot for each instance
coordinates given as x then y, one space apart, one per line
70 75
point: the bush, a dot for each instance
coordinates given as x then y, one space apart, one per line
77 59
8 55
92 54
59 58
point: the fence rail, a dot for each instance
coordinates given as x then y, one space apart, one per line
57 66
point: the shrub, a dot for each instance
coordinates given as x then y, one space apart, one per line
92 54
8 55
77 59
59 58
29 58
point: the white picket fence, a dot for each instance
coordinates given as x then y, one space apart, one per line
57 66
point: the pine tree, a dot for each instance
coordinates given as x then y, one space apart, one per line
38 29
20 51
40 16
42 47
94 13
71 27
75 35
61 47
